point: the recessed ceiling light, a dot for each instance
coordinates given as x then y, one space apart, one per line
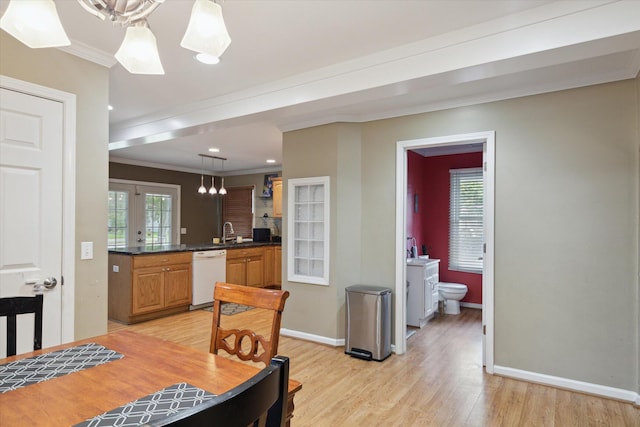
270 161
214 150
109 107
207 59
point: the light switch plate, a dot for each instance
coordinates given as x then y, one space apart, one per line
86 250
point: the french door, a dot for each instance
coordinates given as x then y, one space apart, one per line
143 214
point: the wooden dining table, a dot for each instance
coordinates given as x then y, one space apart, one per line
143 366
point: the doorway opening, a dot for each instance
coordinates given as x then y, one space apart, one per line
450 144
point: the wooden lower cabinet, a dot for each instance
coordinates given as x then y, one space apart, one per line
148 286
246 266
277 265
258 266
269 265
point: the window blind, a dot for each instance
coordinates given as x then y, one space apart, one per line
237 208
466 220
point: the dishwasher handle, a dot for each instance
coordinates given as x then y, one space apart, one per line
209 254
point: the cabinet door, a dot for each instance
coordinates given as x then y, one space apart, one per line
177 285
147 290
426 308
277 197
277 261
236 271
255 271
269 265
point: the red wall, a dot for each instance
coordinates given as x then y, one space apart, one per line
428 177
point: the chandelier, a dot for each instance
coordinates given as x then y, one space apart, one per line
36 24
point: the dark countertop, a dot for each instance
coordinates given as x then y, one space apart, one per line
158 249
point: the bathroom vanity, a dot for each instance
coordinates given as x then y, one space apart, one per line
422 293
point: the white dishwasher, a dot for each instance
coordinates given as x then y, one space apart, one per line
208 268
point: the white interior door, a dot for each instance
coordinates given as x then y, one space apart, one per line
31 146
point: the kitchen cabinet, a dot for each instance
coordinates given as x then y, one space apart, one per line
278 265
143 287
269 265
277 197
422 292
246 266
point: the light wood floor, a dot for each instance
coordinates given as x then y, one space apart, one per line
439 382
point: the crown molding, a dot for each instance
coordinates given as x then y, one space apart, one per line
89 53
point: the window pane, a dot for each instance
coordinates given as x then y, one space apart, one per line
158 219
466 224
116 219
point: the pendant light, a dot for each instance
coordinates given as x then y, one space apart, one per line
206 33
35 23
222 190
202 188
212 190
138 53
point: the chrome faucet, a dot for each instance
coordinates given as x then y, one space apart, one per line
224 231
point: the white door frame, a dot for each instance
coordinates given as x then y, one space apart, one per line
488 140
68 101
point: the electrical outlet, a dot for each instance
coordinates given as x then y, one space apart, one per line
86 250
116 269
183 230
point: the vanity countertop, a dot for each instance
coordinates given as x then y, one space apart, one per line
421 261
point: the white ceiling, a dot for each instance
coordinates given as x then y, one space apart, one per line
292 64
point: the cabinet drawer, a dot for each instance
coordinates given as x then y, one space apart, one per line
140 261
245 252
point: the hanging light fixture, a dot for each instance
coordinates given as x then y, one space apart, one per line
36 24
139 51
206 33
222 190
202 189
212 190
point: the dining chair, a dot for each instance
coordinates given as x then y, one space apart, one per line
246 344
260 401
11 307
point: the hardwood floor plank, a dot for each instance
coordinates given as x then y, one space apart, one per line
438 382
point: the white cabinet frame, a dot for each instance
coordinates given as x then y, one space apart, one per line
308 235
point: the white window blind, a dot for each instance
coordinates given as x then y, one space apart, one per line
466 220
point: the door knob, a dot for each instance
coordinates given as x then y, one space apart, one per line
50 282
39 287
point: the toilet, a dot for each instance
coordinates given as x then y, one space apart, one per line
451 294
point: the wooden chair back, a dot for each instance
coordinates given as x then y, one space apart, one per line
260 401
261 349
11 307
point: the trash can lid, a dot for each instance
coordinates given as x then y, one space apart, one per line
366 289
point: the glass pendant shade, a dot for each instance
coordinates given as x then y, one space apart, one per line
206 32
212 190
222 190
202 189
139 51
35 23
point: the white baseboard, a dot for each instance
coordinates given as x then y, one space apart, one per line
560 382
471 305
312 337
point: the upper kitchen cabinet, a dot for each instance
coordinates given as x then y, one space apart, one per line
277 197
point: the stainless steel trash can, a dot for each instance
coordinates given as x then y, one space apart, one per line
368 334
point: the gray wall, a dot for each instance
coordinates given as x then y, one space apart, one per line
566 231
90 83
